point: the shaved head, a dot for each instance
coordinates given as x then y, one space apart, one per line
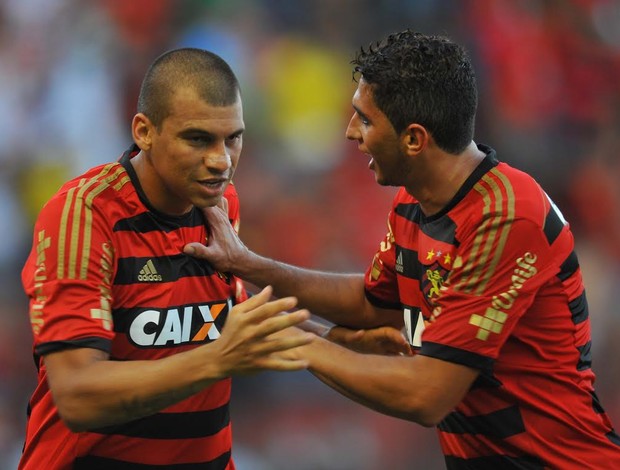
203 71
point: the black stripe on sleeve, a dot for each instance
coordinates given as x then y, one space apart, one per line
377 302
613 437
579 309
91 342
91 462
598 409
585 356
569 266
499 424
173 425
553 226
458 356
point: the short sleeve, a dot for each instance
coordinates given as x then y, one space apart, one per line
68 275
380 283
491 286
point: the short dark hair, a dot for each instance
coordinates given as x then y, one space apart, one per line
204 71
429 80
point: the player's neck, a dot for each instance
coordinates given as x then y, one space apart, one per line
445 176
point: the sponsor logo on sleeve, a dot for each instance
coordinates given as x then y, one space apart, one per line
496 315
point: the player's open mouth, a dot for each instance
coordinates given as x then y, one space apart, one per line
214 187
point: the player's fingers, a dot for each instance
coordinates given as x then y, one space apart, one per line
283 342
398 343
197 250
258 303
223 204
258 310
217 214
281 322
344 336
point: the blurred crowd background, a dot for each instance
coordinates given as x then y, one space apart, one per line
549 78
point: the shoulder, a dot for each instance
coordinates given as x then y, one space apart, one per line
531 202
97 187
511 193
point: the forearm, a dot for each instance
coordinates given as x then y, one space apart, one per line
111 392
367 379
418 389
337 297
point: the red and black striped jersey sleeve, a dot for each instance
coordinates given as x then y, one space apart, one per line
73 253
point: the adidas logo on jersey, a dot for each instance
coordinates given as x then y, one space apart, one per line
399 263
148 273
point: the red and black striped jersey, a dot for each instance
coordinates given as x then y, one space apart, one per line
107 271
493 282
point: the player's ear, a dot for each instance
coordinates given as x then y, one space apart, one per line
142 131
415 138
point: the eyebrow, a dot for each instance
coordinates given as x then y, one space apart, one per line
203 132
360 113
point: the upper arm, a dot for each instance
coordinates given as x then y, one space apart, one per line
64 364
442 385
365 311
384 316
64 369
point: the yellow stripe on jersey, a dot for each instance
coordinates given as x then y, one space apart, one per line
86 226
480 235
505 220
79 228
493 229
62 236
88 215
124 180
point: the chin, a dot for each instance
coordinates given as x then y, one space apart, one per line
211 202
386 183
380 180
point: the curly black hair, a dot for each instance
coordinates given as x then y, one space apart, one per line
428 80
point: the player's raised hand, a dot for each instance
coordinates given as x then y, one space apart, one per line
258 336
223 248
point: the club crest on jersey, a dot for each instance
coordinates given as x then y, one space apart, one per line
188 324
432 280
